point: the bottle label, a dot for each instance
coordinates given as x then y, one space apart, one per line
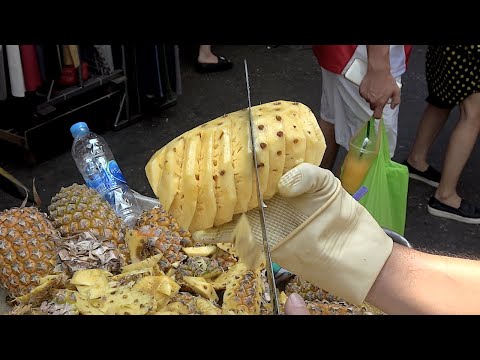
115 172
108 177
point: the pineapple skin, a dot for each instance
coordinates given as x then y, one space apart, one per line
320 302
243 294
163 234
306 290
27 249
199 266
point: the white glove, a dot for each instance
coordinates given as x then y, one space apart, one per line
319 232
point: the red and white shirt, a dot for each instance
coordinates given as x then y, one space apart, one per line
337 58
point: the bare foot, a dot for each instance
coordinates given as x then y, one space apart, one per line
452 200
420 165
208 59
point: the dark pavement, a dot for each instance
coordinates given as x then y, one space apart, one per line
282 73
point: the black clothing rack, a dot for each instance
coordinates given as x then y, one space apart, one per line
111 101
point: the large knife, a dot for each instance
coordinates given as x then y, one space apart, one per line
261 207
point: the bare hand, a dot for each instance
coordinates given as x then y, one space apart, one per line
377 87
296 306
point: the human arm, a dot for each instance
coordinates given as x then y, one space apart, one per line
378 85
329 239
414 282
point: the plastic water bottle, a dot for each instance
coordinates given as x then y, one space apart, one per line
101 172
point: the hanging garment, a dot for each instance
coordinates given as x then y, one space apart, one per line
41 61
71 56
31 70
3 78
106 58
178 78
15 71
52 61
149 77
158 81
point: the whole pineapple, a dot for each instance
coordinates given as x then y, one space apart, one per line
27 250
78 208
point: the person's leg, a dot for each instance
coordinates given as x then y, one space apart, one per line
205 55
432 121
460 146
208 62
331 152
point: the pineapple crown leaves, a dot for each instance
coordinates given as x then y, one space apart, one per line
36 198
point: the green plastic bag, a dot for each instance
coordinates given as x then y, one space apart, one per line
387 184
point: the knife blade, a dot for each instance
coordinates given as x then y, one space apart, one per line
261 206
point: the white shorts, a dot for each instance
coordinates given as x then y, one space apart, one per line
343 106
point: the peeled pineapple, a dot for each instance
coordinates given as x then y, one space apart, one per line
205 176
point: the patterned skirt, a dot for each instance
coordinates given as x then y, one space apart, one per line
453 73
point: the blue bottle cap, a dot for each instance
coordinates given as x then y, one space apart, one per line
78 129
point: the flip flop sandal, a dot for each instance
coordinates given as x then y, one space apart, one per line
222 65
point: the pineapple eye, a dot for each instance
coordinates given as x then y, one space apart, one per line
260 127
280 133
278 117
295 141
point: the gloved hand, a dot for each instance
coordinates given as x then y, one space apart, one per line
319 232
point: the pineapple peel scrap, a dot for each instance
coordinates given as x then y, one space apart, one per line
85 251
249 252
201 287
147 263
41 292
200 250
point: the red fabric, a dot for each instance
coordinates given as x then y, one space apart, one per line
408 51
31 70
334 58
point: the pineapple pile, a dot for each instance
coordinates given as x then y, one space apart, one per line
81 228
192 279
205 176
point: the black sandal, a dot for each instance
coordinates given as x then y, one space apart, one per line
466 213
222 65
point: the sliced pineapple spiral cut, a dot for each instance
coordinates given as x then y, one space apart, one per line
205 176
